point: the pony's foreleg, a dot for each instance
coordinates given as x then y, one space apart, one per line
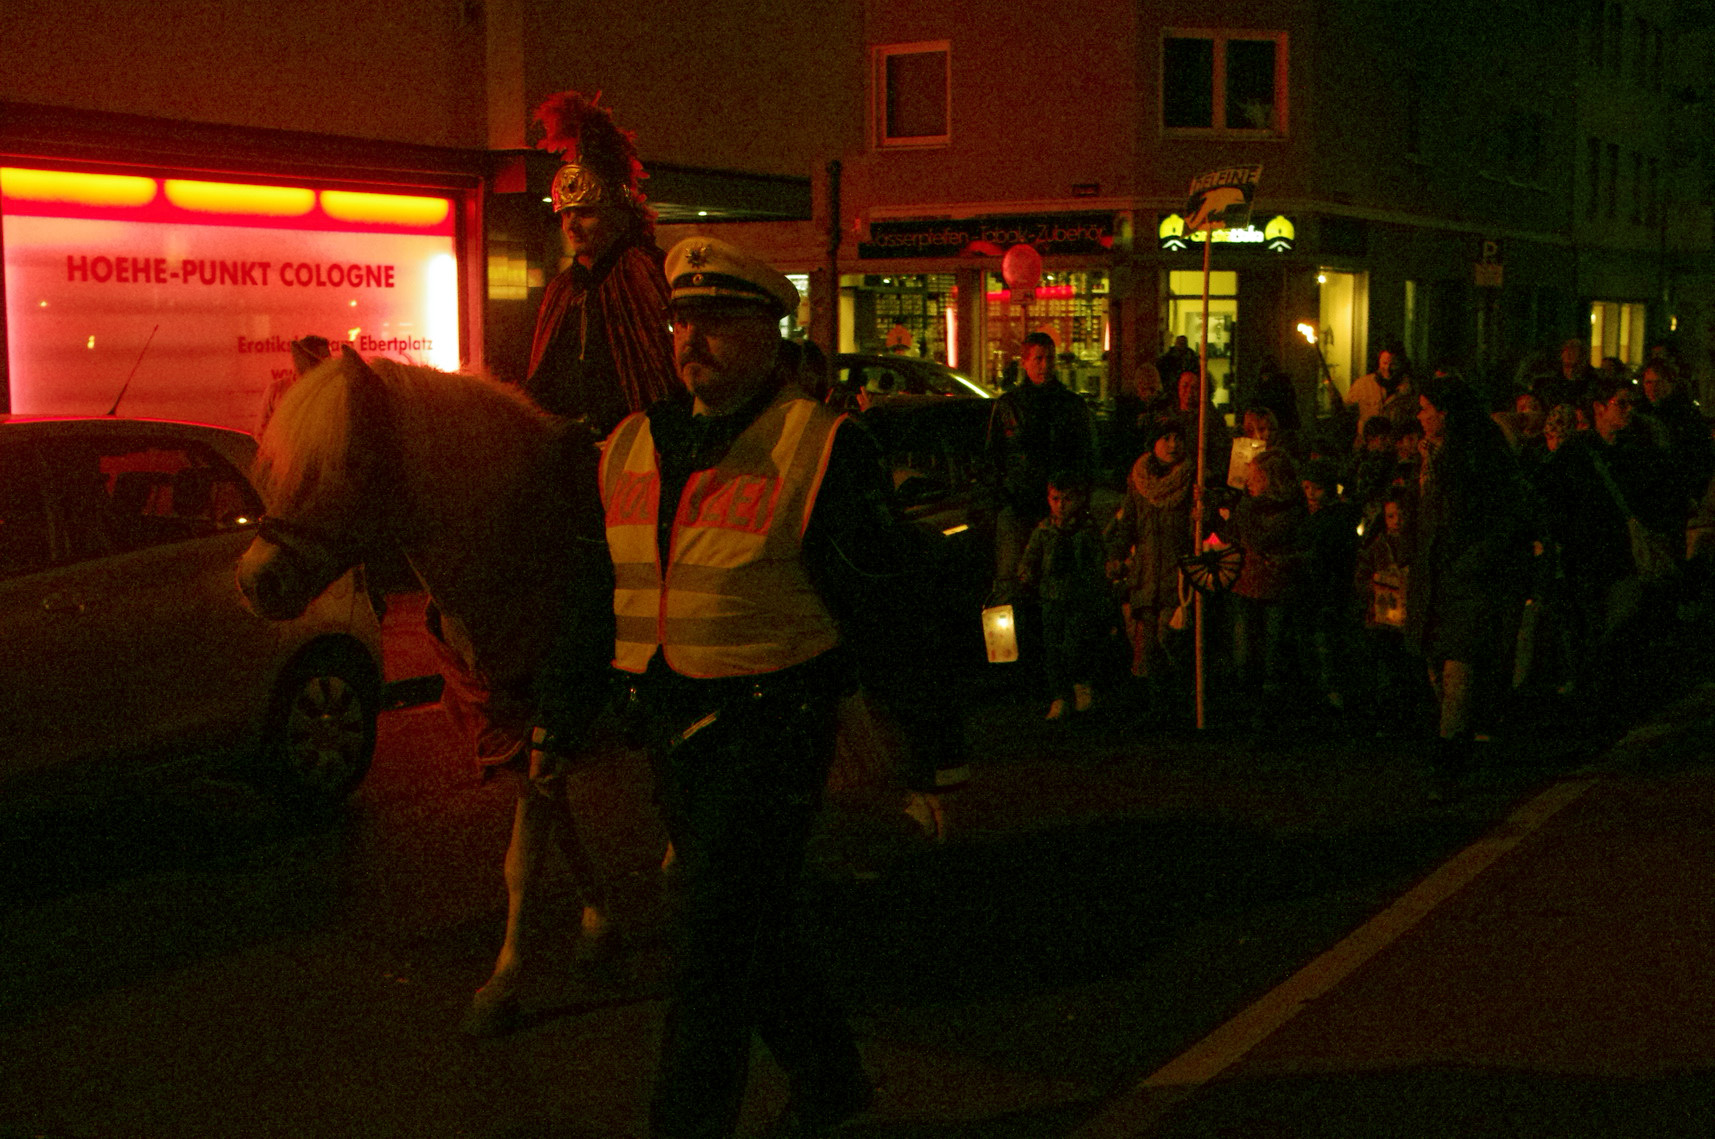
495 1007
541 820
597 928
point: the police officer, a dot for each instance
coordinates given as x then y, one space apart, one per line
756 560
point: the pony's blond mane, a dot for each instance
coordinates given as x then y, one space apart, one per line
308 442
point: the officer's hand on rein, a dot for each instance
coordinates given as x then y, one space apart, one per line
548 762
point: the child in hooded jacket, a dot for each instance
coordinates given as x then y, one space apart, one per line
1065 563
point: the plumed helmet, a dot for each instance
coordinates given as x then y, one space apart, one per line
601 167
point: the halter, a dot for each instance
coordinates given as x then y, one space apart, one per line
300 543
294 540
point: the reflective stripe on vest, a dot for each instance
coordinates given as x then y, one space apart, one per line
736 600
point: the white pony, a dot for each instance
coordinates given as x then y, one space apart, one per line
496 508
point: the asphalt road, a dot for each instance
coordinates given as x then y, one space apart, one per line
182 960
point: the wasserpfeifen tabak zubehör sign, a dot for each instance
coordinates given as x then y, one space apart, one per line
990 236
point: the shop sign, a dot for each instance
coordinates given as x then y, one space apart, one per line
1221 199
193 291
1488 268
1049 234
1277 235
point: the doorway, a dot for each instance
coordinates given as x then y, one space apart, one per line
1185 318
1344 323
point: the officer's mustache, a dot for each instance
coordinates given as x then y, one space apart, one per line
692 356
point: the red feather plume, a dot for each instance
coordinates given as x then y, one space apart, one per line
581 131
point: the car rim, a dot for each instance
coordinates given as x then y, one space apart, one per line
325 732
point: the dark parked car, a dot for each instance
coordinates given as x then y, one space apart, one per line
122 632
934 447
880 377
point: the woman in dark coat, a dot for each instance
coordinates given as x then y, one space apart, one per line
1145 542
1469 569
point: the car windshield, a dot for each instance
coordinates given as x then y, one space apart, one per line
880 376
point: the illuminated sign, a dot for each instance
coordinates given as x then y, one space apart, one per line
193 291
1277 235
992 236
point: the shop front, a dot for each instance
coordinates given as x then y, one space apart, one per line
935 289
175 291
1261 308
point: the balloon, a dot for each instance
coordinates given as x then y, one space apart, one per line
1022 267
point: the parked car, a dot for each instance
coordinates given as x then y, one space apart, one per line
881 377
936 450
122 632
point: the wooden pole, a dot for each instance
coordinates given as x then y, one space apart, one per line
835 234
1202 460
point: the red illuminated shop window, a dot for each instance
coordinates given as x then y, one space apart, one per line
186 293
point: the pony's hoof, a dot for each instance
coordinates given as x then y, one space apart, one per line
597 947
492 1012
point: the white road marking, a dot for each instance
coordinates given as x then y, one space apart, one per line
1130 1114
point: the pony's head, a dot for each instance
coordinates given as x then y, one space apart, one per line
326 460
360 456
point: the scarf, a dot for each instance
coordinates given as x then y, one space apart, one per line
1158 485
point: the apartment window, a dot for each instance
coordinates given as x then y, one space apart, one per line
1598 22
1412 83
913 94
1612 179
1231 83
1616 38
1594 174
1637 188
1652 201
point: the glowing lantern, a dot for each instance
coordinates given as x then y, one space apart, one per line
1000 634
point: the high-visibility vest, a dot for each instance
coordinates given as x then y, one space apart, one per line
734 600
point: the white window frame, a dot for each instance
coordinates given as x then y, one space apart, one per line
878 88
1218 83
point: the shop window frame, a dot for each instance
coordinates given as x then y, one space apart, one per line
1218 94
881 101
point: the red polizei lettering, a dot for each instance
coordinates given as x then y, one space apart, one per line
752 503
634 499
712 510
743 502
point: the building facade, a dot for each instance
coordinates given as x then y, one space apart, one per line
1479 182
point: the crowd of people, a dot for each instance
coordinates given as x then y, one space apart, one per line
1404 572
1437 565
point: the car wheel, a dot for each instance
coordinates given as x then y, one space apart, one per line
321 733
